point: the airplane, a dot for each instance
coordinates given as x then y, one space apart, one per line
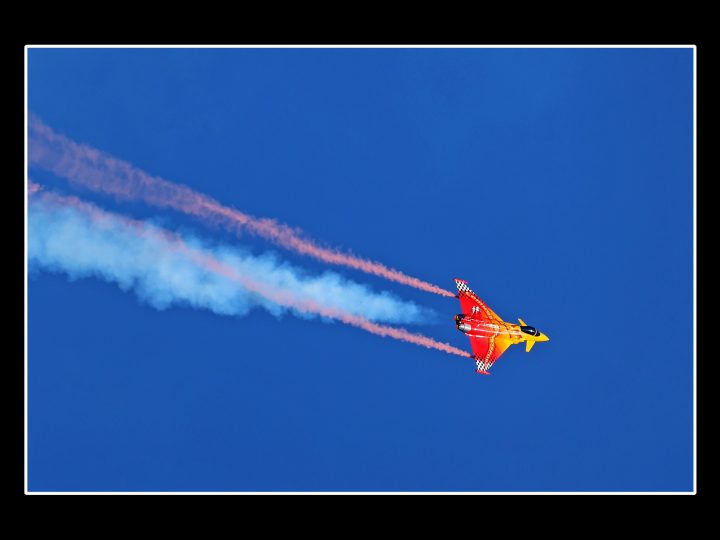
489 335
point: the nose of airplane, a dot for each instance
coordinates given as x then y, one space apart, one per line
543 337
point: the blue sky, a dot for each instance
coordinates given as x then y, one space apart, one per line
558 182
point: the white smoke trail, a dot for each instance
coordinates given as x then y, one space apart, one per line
101 172
63 238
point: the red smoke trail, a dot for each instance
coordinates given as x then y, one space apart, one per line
285 298
101 172
282 297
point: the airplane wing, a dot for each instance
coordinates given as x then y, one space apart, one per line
472 306
487 350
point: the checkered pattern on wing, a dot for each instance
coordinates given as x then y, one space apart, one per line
483 366
462 286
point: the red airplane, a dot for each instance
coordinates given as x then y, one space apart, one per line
489 335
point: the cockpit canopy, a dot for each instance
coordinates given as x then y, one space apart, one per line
530 330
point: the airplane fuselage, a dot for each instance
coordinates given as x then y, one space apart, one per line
483 329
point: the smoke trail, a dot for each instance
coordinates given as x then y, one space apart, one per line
80 239
101 172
